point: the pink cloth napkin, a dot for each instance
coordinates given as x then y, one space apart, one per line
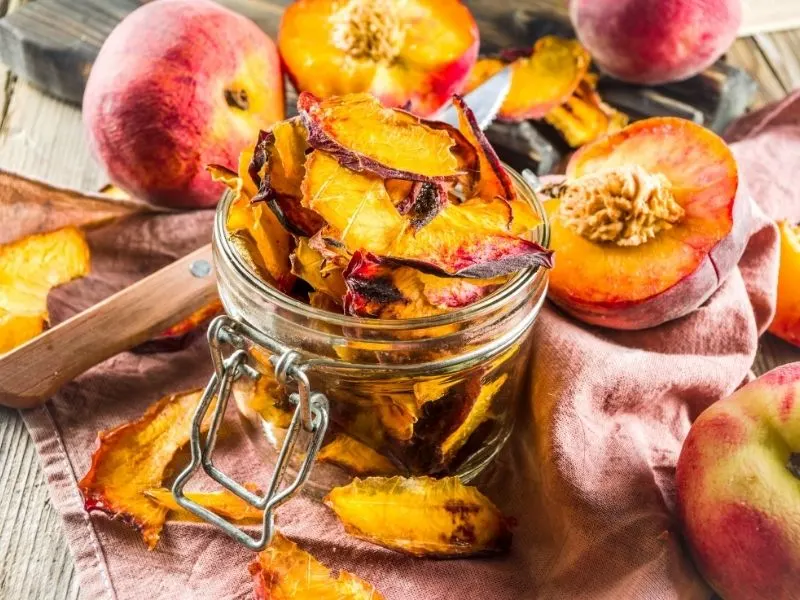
588 474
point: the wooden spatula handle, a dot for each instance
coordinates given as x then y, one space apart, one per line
33 372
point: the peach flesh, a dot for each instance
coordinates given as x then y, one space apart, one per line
655 41
786 324
157 113
738 487
440 46
622 299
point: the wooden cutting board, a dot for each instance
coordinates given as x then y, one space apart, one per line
53 43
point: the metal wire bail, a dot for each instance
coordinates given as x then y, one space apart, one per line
310 414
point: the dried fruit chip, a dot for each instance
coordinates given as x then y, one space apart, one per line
182 333
323 301
29 269
265 397
132 458
286 572
223 503
15 330
493 181
311 265
539 82
421 516
272 241
480 412
356 457
423 202
376 289
390 143
468 239
584 117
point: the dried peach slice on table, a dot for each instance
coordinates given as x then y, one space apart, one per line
134 457
29 269
786 324
468 239
421 516
647 224
284 571
414 53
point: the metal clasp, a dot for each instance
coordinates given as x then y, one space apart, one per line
310 414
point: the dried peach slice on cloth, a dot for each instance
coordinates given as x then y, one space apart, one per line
375 289
648 223
468 239
414 53
355 457
786 323
284 571
134 457
421 516
223 503
29 269
366 137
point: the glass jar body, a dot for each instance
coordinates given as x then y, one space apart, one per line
432 396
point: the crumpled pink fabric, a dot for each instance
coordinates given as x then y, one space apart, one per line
588 474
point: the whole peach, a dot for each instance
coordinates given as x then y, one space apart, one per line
177 85
738 484
655 41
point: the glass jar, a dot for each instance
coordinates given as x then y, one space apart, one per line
428 396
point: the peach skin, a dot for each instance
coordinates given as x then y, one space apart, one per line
738 484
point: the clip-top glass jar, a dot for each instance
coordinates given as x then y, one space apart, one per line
427 396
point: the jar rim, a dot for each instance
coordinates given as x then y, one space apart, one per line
485 305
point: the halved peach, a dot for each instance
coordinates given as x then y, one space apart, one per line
668 276
786 324
411 53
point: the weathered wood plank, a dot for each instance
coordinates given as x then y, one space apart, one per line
780 51
746 55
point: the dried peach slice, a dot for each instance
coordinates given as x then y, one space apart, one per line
311 265
132 458
480 411
584 117
391 143
223 503
286 572
29 269
468 239
356 457
421 516
492 180
179 335
272 241
414 53
375 289
541 81
672 271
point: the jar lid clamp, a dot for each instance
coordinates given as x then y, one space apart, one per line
311 414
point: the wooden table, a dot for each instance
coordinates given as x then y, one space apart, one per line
42 138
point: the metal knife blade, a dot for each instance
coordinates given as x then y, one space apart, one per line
485 100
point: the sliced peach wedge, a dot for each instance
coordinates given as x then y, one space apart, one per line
409 53
647 224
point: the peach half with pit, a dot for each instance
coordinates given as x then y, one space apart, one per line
647 224
738 486
408 53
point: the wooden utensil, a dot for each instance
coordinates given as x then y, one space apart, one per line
126 319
